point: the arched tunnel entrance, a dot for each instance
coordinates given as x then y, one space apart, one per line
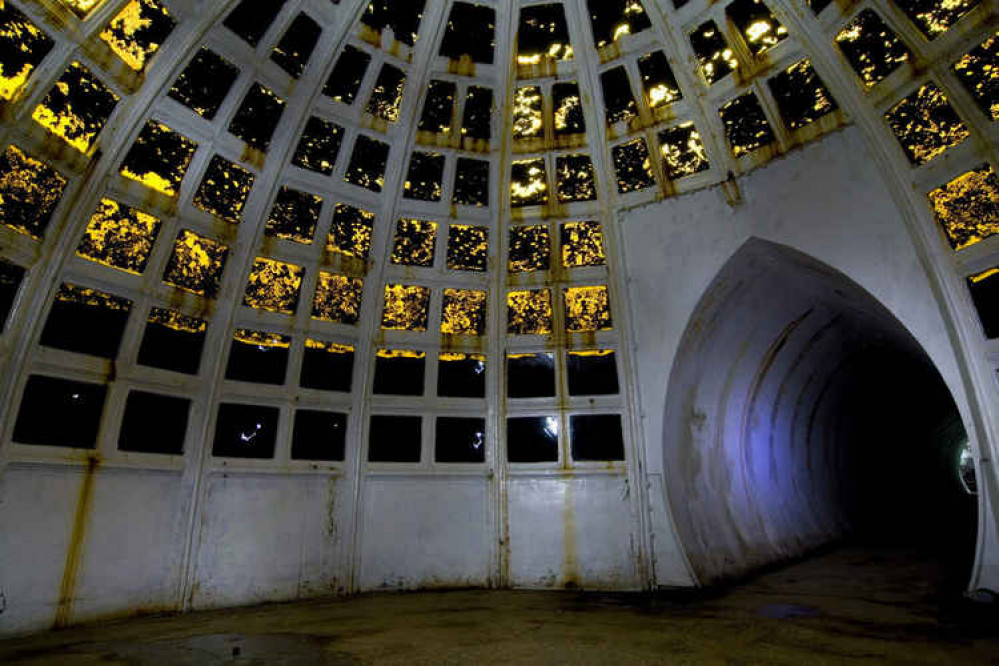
801 413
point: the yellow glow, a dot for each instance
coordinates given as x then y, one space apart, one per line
587 309
338 298
582 245
30 41
273 286
661 94
529 312
621 30
165 183
415 242
119 236
29 192
124 33
406 308
980 74
331 347
464 312
569 104
925 124
984 275
530 249
532 187
177 321
262 338
967 207
467 247
69 123
592 353
527 122
82 7
71 293
350 234
454 357
196 264
400 353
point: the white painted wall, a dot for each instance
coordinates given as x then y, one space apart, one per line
279 535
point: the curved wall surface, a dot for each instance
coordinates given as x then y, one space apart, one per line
304 297
769 298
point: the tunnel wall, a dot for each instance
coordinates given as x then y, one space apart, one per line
827 201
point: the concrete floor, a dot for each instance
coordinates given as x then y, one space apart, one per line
848 606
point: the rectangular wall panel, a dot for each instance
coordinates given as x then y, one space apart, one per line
572 532
426 532
37 513
133 546
267 538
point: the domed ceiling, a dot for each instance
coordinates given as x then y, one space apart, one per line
313 233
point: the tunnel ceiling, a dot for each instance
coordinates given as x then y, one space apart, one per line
303 230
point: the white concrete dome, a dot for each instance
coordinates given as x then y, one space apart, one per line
306 297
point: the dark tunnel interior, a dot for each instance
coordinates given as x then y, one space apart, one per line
907 487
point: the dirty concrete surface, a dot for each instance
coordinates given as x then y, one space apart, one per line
849 606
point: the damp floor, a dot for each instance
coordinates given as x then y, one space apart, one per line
848 606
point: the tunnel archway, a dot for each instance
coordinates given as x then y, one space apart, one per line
799 413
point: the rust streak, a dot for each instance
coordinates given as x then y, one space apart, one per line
74 554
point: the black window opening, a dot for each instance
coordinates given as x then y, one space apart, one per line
746 125
801 96
461 376
424 180
592 372
60 412
251 18
470 31
984 289
658 82
257 117
619 103
204 83
367 164
347 75
86 321
471 183
261 358
402 16
596 437
77 107
160 152
568 109
23 46
386 96
543 32
319 146
399 372
154 423
395 439
245 431
532 439
460 440
319 436
530 375
294 215
611 19
11 276
172 341
30 190
292 53
438 109
476 122
327 367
